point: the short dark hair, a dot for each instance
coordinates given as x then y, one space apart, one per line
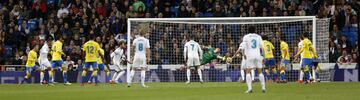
192 36
91 36
305 35
264 37
59 37
122 42
251 29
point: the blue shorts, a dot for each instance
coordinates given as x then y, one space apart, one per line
285 62
315 62
92 64
101 67
270 62
57 64
31 69
306 62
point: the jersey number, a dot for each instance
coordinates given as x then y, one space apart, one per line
141 47
90 49
253 44
192 45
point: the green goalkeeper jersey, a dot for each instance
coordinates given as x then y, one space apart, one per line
208 56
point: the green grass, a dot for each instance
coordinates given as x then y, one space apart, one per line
180 91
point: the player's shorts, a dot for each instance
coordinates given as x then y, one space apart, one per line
57 64
101 67
193 62
118 67
139 62
270 62
92 64
44 64
306 62
31 69
253 63
315 63
285 63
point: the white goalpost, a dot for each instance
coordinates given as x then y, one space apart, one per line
167 37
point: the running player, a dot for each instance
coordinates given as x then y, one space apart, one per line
43 60
91 50
118 57
30 63
57 62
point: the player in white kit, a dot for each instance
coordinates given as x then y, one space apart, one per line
253 49
192 56
43 60
141 57
118 57
301 75
242 71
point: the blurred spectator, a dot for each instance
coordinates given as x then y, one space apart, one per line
334 52
344 58
68 63
138 5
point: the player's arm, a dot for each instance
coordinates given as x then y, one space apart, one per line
313 50
185 52
148 51
299 52
237 52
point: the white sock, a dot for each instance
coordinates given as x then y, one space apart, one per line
248 81
262 81
119 75
41 76
143 77
53 79
252 74
242 73
314 74
114 76
200 74
188 73
301 75
132 72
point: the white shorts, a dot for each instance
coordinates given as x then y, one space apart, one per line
44 64
253 63
139 62
193 62
117 67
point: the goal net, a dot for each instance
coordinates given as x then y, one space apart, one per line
167 37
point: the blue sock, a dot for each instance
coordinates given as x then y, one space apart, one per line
96 79
65 77
91 78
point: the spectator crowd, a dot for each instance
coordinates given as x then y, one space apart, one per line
23 23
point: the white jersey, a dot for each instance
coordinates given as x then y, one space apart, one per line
300 46
44 51
252 45
118 56
141 44
241 47
192 49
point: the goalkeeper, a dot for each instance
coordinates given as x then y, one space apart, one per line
212 54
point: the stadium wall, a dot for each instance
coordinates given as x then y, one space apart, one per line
162 73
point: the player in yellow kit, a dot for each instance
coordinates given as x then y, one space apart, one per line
101 66
285 59
308 52
30 63
57 62
271 73
91 50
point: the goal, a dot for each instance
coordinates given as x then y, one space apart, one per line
167 37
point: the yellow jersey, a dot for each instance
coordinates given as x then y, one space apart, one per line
32 56
91 49
101 52
284 50
56 51
307 49
268 49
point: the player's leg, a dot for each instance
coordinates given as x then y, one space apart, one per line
268 71
107 73
132 73
95 72
252 74
64 73
84 72
42 67
249 64
258 64
301 73
189 63
27 74
284 64
199 69
121 72
306 68
143 73
242 71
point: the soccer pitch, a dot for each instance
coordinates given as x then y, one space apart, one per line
181 91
